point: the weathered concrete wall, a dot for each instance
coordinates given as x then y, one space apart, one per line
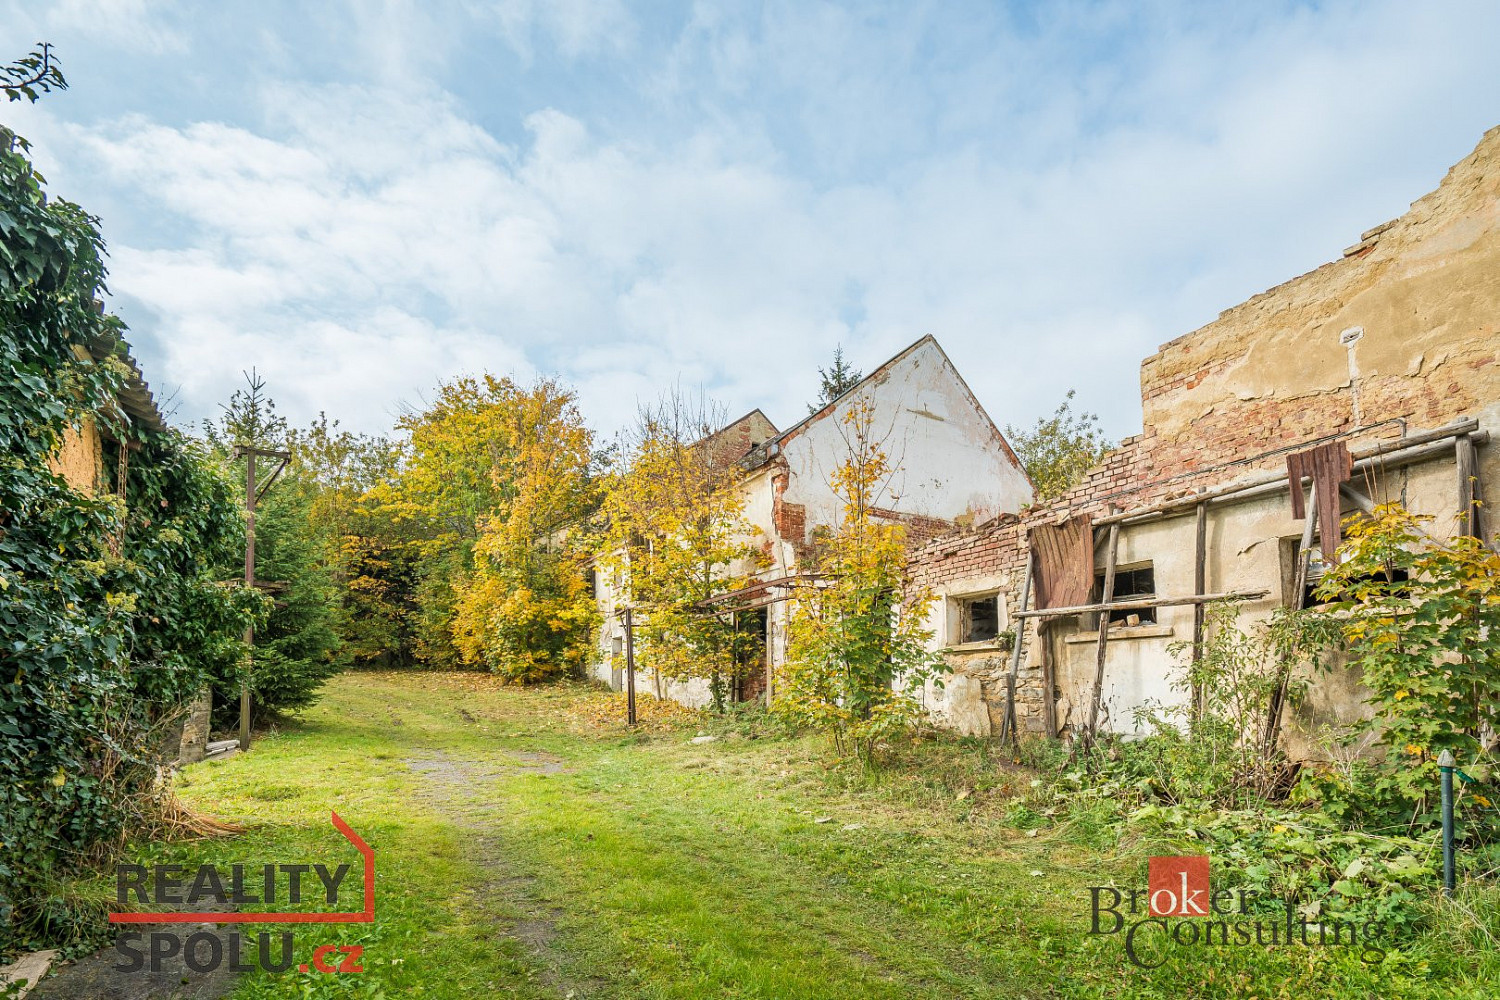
1400 335
195 726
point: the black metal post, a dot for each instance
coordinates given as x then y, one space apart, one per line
1445 764
629 670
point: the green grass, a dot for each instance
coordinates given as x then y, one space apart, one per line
525 848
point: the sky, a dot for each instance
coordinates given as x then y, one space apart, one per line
362 199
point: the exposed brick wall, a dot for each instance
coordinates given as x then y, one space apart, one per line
789 519
1419 300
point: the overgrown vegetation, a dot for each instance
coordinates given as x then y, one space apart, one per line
1356 839
1058 450
110 617
857 642
1418 617
541 847
675 537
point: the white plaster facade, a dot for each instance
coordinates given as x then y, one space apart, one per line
953 467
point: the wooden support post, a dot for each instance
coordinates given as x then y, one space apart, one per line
1049 682
1468 487
1108 595
629 668
249 582
769 657
1200 574
1295 601
1008 724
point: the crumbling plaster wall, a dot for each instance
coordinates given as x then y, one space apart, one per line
949 459
1419 301
1400 335
79 458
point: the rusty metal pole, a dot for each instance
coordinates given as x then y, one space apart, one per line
629 669
249 582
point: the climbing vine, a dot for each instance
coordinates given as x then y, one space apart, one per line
109 617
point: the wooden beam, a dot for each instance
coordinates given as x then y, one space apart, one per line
1008 724
1108 595
1468 487
1295 601
1400 451
1144 602
1200 573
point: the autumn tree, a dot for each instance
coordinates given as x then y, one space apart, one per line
455 472
677 535
1058 450
497 483
372 555
524 611
857 635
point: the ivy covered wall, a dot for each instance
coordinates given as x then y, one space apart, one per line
109 615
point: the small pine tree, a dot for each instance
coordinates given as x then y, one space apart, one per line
837 379
296 650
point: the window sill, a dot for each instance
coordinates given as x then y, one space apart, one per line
983 646
1123 632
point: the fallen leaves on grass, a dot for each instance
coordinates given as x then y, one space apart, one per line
609 711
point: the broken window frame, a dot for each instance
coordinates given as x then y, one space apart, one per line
964 632
1291 550
1129 581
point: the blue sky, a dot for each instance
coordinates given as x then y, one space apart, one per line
361 199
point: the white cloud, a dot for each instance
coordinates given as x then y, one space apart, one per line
142 26
806 179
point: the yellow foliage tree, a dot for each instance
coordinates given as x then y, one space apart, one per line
859 631
677 535
498 480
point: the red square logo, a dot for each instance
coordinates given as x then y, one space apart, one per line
1178 887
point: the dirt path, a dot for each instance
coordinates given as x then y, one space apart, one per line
462 789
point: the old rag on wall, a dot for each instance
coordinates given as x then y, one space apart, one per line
1328 465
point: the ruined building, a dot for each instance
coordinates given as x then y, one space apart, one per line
1382 365
952 465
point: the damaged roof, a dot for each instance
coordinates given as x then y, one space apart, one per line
134 398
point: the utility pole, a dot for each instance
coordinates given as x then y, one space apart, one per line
249 453
629 668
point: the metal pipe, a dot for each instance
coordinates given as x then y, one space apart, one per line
1445 764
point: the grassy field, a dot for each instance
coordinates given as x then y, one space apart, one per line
528 845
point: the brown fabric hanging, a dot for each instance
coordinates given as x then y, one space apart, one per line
1064 562
1327 465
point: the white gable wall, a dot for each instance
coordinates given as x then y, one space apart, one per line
949 457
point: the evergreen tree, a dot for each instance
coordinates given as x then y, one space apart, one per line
837 379
295 652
